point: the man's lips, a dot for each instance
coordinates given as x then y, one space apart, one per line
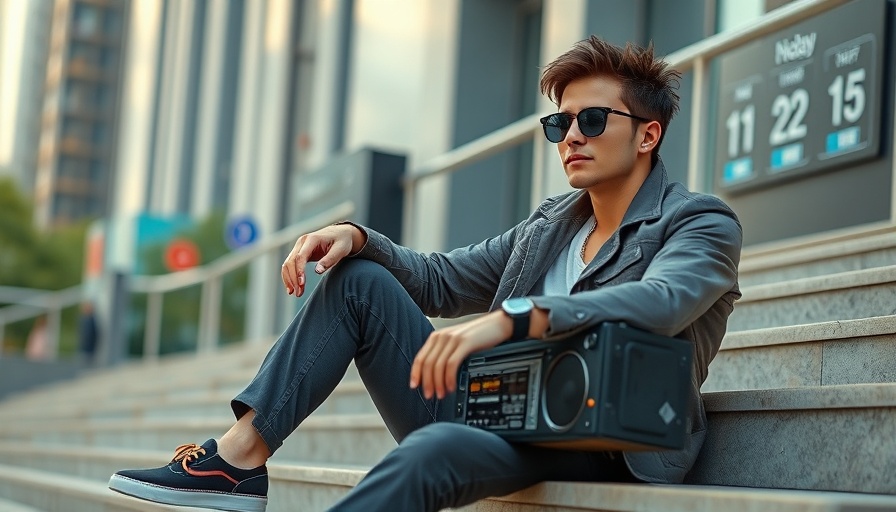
575 157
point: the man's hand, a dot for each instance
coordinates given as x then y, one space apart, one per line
326 246
435 367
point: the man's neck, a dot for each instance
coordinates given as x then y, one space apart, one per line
611 200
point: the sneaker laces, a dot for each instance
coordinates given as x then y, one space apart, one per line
186 453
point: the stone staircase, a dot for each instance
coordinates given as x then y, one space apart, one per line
801 402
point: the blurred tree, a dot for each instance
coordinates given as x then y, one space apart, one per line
181 308
50 260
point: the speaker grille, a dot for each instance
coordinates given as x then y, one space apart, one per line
564 391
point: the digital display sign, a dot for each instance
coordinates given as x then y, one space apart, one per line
802 100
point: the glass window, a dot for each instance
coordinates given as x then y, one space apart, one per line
76 95
109 59
100 134
86 20
103 98
737 13
97 172
76 128
112 23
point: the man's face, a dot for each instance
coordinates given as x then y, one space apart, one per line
604 160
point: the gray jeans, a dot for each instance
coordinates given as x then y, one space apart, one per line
360 312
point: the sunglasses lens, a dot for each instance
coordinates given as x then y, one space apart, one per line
555 127
592 121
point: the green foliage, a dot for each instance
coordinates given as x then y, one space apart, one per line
181 308
46 260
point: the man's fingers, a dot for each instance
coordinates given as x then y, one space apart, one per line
327 246
423 373
417 375
337 250
453 364
439 363
292 273
303 252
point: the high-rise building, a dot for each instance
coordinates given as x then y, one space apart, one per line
24 38
78 122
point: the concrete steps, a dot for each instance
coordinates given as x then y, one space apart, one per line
317 487
818 354
839 437
349 397
196 374
844 433
339 439
43 490
12 506
776 263
801 395
844 296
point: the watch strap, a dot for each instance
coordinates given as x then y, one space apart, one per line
520 327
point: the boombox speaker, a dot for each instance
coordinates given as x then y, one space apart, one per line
612 388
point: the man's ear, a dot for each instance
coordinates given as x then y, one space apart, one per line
650 137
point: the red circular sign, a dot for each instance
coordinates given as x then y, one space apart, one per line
181 254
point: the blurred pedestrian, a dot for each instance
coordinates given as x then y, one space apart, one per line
37 347
88 332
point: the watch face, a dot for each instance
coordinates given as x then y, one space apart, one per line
517 306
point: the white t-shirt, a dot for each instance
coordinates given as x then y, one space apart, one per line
568 266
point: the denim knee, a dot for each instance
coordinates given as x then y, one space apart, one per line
436 441
358 274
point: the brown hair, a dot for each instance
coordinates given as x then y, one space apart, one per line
648 84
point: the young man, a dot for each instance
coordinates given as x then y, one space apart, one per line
626 245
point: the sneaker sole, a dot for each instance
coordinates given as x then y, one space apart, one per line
203 499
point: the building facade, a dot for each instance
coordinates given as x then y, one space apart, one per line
80 111
24 40
235 105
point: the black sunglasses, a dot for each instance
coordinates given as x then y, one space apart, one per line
592 122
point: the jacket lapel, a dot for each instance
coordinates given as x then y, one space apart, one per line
646 205
550 234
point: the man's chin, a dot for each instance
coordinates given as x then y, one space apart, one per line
578 183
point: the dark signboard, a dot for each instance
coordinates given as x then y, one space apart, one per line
803 100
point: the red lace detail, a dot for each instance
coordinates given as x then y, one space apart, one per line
186 453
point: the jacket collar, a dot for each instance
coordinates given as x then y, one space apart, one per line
567 213
648 202
646 205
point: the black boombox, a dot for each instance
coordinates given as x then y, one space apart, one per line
612 388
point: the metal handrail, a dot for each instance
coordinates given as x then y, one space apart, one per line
232 261
773 21
691 58
36 303
209 276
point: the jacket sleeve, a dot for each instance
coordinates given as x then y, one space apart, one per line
696 266
461 282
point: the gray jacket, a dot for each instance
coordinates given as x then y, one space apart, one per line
670 268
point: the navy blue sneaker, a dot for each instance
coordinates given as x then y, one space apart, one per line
197 477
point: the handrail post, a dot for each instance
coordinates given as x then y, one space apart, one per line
54 312
209 315
696 149
153 329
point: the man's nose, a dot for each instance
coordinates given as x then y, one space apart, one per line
574 135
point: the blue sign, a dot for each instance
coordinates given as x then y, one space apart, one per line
240 231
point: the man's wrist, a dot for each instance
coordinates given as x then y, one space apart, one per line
359 239
519 310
